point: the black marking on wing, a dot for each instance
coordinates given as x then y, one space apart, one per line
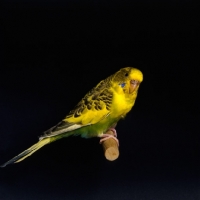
60 126
94 99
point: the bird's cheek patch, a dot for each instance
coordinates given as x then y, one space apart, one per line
122 85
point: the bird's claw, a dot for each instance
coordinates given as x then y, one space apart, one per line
108 136
114 131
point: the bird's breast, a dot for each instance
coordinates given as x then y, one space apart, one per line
121 105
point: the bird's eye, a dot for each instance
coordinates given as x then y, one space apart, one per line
123 84
126 74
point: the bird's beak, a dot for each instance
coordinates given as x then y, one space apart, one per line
133 86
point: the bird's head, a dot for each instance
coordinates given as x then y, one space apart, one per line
128 80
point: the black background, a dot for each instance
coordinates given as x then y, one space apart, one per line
54 52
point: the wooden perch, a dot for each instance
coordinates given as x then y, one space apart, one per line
110 147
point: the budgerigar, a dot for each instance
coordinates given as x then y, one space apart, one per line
97 113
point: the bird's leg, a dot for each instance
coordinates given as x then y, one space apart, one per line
114 131
107 136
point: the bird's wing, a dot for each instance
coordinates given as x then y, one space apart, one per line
94 107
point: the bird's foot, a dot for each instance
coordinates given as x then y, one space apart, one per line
108 136
114 131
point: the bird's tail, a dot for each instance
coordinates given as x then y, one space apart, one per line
28 152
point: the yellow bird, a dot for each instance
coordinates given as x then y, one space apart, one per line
98 111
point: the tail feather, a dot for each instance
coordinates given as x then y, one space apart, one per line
28 152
